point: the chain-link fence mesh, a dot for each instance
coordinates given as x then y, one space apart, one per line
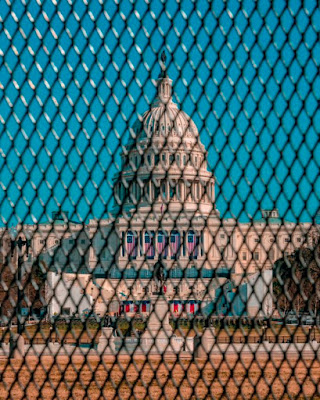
159 197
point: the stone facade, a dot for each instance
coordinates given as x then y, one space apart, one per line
164 213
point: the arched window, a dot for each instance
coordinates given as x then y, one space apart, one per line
156 191
149 245
172 190
178 159
164 190
179 191
184 160
132 245
192 245
162 245
175 244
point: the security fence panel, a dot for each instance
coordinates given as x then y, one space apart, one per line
159 225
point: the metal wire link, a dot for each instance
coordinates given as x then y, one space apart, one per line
159 198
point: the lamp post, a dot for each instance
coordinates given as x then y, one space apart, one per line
17 341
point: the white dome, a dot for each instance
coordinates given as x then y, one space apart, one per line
164 164
165 125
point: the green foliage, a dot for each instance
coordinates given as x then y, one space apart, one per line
123 326
139 325
296 281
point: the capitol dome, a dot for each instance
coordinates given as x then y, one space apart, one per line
164 164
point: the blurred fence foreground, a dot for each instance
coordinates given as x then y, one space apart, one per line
160 187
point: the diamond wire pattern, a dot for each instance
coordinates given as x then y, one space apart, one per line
75 79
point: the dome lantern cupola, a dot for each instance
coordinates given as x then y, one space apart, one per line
164 83
165 90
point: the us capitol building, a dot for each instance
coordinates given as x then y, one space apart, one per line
164 214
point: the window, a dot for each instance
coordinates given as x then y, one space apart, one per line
42 241
171 158
298 239
132 245
222 236
184 160
71 241
66 311
287 240
162 245
178 188
156 159
192 245
172 191
56 241
164 158
178 159
164 191
156 192
256 240
149 245
83 241
256 256
149 159
244 256
175 244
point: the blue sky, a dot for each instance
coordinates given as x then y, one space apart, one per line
73 79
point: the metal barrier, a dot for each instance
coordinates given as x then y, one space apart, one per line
159 198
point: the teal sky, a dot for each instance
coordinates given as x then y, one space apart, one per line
73 79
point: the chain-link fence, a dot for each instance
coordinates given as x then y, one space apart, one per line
159 197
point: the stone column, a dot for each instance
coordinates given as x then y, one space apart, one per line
155 243
138 242
124 244
169 246
143 243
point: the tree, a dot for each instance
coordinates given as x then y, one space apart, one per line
296 279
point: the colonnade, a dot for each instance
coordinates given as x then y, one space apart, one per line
134 244
178 190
